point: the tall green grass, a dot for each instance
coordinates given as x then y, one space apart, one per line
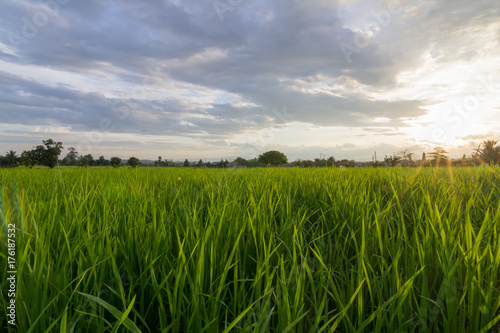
261 250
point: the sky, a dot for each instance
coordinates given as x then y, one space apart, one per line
216 79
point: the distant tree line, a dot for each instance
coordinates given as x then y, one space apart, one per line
47 154
487 153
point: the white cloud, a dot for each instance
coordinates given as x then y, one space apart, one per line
186 76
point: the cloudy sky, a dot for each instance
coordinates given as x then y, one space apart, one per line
219 79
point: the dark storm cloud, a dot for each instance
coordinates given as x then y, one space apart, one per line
255 45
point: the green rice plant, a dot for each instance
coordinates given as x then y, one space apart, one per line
253 250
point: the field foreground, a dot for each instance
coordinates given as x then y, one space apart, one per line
257 250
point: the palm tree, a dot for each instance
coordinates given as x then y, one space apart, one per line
407 158
490 154
11 159
438 157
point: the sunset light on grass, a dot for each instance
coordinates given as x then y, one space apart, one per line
258 166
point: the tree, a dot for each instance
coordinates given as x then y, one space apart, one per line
91 159
133 162
38 154
407 159
392 160
254 163
490 153
320 162
240 161
200 163
85 161
273 158
186 162
46 154
160 162
11 159
407 156
28 158
50 152
306 163
346 163
424 160
101 161
115 162
376 164
463 161
438 157
71 157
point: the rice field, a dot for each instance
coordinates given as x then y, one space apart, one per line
253 250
